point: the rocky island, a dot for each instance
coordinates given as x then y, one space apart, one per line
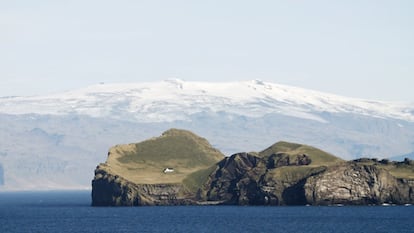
181 168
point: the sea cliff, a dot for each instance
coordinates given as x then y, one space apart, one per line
181 168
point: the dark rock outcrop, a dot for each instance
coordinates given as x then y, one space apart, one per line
247 179
303 159
278 160
236 180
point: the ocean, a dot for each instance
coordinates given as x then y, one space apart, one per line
45 212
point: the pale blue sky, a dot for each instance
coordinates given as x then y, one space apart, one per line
358 48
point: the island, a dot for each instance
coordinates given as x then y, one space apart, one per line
181 168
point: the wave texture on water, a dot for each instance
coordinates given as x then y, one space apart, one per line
71 212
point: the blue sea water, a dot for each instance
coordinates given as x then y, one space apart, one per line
71 212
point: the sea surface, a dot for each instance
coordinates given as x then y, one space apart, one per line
71 212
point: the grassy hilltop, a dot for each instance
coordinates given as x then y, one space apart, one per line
144 162
317 156
319 160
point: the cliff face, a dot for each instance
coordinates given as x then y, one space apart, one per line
244 179
283 174
112 190
355 184
235 180
247 179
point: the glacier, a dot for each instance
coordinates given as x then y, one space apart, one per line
175 99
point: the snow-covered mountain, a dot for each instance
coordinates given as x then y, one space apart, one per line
55 141
175 99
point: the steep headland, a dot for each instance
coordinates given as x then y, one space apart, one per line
181 168
159 171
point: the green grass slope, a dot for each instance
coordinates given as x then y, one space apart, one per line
401 170
144 162
318 157
292 174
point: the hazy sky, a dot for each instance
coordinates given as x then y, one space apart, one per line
358 48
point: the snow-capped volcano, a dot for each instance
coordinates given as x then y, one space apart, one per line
55 141
174 99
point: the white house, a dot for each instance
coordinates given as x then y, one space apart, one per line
168 170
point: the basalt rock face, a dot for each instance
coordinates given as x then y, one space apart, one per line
236 180
248 179
245 179
112 190
357 184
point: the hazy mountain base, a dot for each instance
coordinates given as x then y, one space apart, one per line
59 152
1 175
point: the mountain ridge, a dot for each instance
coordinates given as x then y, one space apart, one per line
174 99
